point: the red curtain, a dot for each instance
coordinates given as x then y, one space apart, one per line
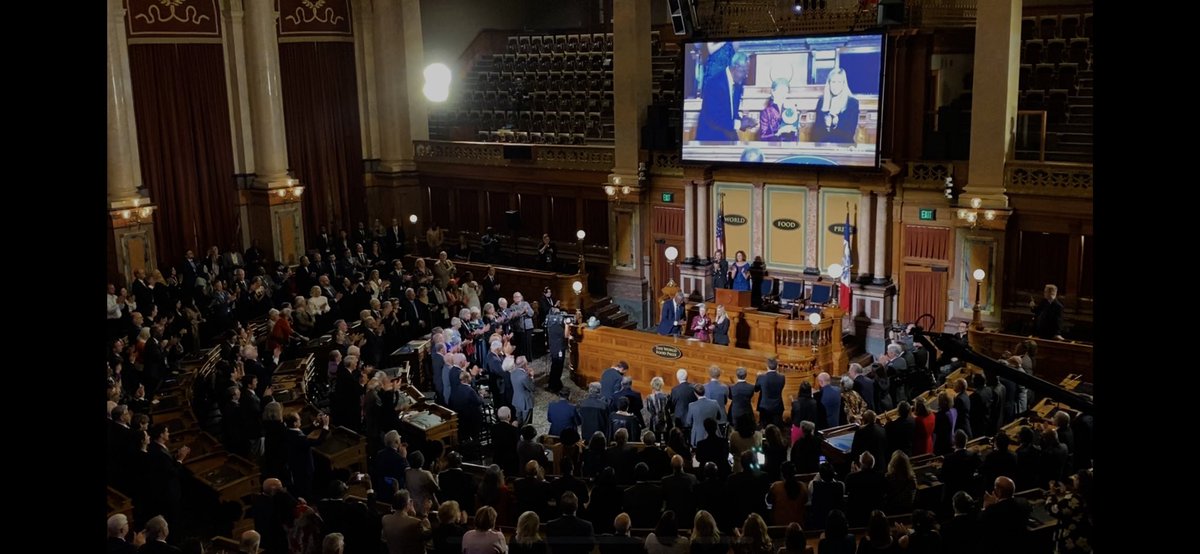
320 109
185 145
923 295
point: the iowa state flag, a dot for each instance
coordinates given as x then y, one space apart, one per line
846 294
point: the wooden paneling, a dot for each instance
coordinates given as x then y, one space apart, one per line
468 211
927 243
1055 359
1086 283
564 221
439 206
1042 259
533 212
498 203
667 221
595 220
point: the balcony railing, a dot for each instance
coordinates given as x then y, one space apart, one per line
1048 179
580 158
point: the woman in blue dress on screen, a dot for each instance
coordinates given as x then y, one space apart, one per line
739 272
837 111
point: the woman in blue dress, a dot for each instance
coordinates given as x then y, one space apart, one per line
739 272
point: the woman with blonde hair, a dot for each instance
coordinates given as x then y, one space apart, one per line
837 111
720 327
706 539
317 305
527 539
901 484
447 536
752 538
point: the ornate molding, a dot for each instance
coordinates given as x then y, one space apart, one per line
581 158
666 163
314 18
1045 179
172 18
928 175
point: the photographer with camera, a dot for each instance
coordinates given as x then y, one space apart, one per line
557 332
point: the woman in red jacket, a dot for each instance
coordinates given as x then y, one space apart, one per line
923 430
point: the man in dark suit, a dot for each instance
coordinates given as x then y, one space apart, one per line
644 500
769 385
863 385
870 437
299 453
678 490
610 380
118 528
568 482
740 394
593 413
562 414
272 511
569 534
900 431
654 457
340 514
621 456
162 475
556 337
395 239
674 316
721 99
747 489
324 240
1003 524
456 484
414 316
681 397
465 401
391 462
958 468
156 537
866 490
635 399
1047 322
505 438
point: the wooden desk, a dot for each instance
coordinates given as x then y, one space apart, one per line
1055 360
119 504
201 443
651 355
343 449
229 475
446 431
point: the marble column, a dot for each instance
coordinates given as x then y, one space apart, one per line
392 60
271 207
864 235
631 66
997 52
131 213
266 96
880 237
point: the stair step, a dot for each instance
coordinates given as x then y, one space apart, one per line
1079 110
1076 138
1073 147
1072 157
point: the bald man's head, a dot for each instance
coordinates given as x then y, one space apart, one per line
1004 488
677 463
272 486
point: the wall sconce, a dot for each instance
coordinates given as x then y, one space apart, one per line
973 214
976 317
138 214
615 190
292 191
416 243
815 319
577 287
672 254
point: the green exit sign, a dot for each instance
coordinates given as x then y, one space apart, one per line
668 197
928 214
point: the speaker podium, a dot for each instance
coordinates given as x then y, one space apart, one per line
733 298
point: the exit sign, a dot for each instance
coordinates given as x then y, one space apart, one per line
668 197
928 214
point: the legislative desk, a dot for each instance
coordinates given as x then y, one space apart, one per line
651 355
343 449
528 282
412 419
1055 359
119 504
230 475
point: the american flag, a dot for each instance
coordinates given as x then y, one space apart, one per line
845 293
720 243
